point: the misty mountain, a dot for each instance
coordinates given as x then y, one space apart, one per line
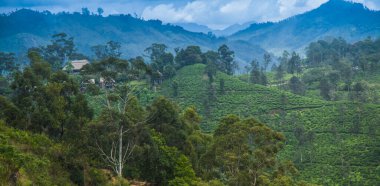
336 18
193 27
26 28
232 29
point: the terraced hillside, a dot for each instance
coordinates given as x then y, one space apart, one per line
330 142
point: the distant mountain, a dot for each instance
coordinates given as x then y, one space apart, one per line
232 29
26 28
336 18
193 27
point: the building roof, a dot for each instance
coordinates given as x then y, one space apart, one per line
78 64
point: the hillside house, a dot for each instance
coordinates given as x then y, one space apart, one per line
109 84
75 66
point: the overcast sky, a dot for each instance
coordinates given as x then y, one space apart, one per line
216 14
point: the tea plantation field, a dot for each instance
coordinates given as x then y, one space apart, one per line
330 142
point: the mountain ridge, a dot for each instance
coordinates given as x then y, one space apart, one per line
32 29
332 19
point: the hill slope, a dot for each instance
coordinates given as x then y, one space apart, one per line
27 159
336 18
330 142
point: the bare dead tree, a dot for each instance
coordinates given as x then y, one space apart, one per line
117 156
121 150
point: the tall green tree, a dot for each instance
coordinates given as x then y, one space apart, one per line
162 62
246 152
284 59
190 55
280 72
267 60
111 49
7 63
294 64
165 119
100 11
85 12
227 62
325 88
257 75
211 59
296 86
59 52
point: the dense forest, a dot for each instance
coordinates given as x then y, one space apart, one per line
186 117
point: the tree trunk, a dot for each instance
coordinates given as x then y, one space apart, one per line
120 163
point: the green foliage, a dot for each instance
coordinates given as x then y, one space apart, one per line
7 63
167 164
247 151
175 88
4 86
110 50
162 62
211 59
267 60
294 64
189 56
227 62
296 86
257 75
166 120
48 102
27 158
93 89
110 69
60 50
325 88
97 177
69 67
221 86
183 172
8 111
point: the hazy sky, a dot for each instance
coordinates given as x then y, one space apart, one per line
216 14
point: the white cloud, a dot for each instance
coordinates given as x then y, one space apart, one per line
289 8
167 12
371 4
235 6
218 14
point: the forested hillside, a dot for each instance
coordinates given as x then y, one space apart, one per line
26 28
